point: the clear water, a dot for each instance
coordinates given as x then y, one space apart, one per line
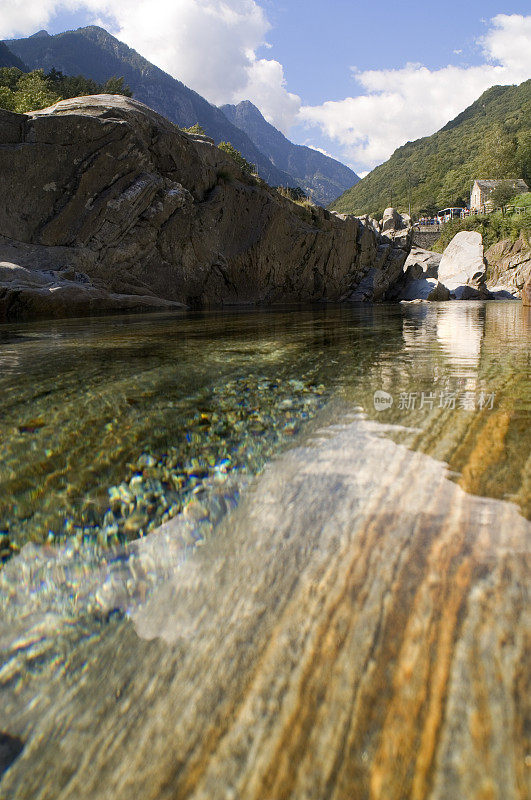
112 426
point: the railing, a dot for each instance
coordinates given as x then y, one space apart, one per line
436 223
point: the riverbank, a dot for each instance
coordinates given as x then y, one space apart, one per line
109 205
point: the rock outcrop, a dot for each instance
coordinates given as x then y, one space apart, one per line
106 188
526 293
397 228
509 265
419 278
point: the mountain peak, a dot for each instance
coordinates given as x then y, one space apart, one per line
320 176
42 34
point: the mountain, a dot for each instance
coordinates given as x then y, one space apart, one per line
489 139
96 54
322 178
9 59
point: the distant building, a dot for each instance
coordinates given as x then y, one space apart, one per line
482 190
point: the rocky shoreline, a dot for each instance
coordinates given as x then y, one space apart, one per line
107 205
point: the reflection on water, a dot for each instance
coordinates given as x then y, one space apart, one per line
112 426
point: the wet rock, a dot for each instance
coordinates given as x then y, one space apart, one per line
329 642
526 293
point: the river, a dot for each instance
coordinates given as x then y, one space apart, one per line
266 554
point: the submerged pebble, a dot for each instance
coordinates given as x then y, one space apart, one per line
236 427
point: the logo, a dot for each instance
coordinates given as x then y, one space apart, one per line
382 400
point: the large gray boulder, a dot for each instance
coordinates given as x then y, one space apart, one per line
105 187
419 278
462 263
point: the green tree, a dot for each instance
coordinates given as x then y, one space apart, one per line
33 92
30 91
7 98
243 164
116 86
498 156
9 77
195 130
523 155
502 194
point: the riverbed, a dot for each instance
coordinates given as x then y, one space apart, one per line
270 553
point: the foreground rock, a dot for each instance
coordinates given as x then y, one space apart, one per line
105 187
526 293
329 642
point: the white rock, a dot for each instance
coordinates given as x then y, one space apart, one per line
462 263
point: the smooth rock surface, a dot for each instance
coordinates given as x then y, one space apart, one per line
332 641
31 293
462 263
113 190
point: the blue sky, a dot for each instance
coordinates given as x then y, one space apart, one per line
353 79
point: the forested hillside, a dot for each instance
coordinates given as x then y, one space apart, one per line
490 139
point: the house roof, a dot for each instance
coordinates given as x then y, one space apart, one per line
488 183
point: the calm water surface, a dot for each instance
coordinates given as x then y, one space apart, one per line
113 425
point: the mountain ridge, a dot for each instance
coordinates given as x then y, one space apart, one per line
308 166
96 54
9 59
489 138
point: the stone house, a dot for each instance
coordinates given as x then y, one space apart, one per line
482 189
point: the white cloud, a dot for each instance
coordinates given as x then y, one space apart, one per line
404 104
318 149
210 45
266 87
